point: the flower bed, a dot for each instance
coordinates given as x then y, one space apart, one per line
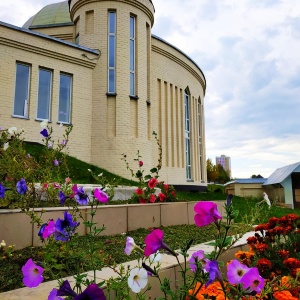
16 227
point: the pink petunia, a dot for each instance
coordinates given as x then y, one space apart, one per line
32 274
235 271
139 191
253 280
100 196
154 242
206 213
141 163
49 229
162 197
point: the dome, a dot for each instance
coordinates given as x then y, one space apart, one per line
51 15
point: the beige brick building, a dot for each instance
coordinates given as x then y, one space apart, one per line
96 65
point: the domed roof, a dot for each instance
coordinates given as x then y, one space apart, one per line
51 15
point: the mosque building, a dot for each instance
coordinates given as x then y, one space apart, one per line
95 64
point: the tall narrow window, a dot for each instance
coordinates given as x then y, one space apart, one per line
65 89
44 94
21 90
132 56
77 23
200 139
111 52
187 136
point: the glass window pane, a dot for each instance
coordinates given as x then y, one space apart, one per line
111 81
131 55
64 98
112 22
21 90
111 50
132 84
44 94
132 27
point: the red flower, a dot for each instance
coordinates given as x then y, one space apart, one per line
142 200
152 198
261 248
166 186
152 183
283 253
251 240
139 191
162 197
292 263
264 264
173 193
141 163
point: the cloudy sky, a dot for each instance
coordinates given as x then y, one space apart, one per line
249 51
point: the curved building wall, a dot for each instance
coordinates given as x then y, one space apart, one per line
174 74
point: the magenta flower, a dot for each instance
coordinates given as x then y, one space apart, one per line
235 271
152 183
32 274
154 242
49 229
100 196
206 213
152 198
198 256
253 280
141 163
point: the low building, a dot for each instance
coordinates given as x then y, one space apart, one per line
283 185
250 187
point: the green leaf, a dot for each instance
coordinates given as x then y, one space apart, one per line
147 177
153 170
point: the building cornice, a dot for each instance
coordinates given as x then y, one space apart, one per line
134 3
181 63
46 52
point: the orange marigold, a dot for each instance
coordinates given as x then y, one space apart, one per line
284 295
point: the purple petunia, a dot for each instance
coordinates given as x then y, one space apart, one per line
214 272
253 280
2 191
32 274
65 228
62 198
44 133
21 186
80 196
198 257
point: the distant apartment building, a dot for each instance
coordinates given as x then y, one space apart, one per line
224 161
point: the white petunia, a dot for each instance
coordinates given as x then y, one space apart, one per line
12 130
44 124
138 279
155 257
5 146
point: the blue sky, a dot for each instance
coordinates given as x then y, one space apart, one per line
249 51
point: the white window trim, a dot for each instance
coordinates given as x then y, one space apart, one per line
70 100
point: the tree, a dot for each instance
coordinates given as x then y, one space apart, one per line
223 176
212 173
256 176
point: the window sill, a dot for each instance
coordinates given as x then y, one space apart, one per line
20 117
189 180
133 97
41 120
63 123
111 94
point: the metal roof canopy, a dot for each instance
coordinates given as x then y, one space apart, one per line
247 180
281 174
